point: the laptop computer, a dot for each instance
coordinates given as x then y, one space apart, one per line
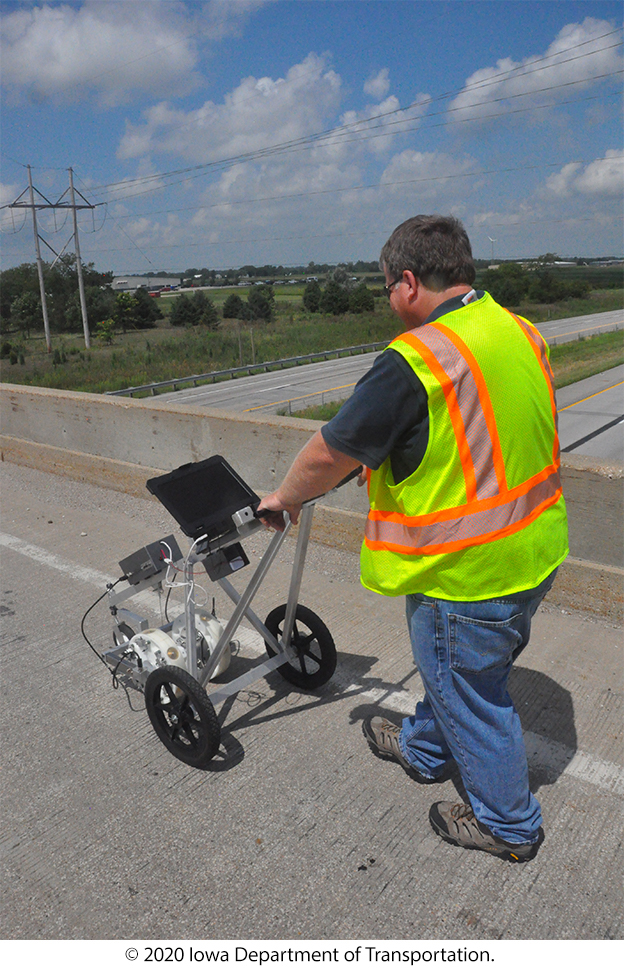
203 496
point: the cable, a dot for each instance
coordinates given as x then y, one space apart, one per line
200 170
514 72
109 586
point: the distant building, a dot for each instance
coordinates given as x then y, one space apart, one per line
131 283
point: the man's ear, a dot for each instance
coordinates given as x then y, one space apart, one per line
412 281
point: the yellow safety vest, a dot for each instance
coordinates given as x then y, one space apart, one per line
483 515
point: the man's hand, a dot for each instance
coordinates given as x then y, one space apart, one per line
316 470
271 512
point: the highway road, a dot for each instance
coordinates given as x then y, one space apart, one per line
591 412
295 388
591 416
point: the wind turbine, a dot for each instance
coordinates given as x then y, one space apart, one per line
492 241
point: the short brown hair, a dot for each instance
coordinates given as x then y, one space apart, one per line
435 248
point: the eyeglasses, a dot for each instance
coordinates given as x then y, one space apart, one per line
388 286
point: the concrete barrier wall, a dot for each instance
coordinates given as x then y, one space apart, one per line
119 443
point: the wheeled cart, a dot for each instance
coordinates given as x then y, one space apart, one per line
173 664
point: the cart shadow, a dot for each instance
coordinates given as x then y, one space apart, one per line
261 706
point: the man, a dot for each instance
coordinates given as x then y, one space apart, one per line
456 426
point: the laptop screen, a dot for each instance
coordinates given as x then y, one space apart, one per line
202 496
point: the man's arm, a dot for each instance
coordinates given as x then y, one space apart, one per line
317 469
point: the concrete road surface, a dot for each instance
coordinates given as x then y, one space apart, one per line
295 832
591 416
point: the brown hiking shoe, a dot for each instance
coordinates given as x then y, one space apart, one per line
383 740
457 824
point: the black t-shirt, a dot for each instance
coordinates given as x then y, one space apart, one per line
387 413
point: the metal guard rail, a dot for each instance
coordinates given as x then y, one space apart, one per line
249 369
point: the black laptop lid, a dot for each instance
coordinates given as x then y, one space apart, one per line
202 496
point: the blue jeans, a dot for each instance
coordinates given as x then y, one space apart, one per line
464 653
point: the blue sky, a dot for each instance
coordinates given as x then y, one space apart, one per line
282 131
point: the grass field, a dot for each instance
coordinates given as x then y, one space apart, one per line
165 353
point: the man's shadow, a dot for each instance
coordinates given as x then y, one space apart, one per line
547 715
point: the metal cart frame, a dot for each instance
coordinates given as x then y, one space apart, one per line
179 706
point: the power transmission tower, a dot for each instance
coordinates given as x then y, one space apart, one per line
34 205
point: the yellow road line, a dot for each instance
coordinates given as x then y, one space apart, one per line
590 396
569 333
327 390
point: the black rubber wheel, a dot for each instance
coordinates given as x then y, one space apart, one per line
313 644
182 715
122 634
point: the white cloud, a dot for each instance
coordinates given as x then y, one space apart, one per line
258 113
112 49
9 193
383 122
378 86
578 54
602 177
428 174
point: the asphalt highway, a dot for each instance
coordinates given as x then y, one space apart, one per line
290 390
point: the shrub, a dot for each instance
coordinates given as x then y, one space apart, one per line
312 296
335 299
233 308
361 299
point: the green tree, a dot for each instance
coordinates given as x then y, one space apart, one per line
146 311
335 299
206 312
509 284
260 303
361 299
182 312
105 331
312 296
124 313
100 305
233 308
26 313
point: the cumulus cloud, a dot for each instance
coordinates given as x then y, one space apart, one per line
113 50
578 54
602 177
377 125
378 86
428 174
257 113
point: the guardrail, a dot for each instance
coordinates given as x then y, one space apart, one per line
248 369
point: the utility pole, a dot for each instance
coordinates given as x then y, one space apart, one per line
81 290
44 305
46 204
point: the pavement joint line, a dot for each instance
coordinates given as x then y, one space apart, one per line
542 752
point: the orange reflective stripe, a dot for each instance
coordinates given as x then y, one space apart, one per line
486 404
492 510
495 519
448 389
480 505
538 345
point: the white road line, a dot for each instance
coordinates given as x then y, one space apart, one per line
83 573
541 752
55 562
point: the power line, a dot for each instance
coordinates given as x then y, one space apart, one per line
301 145
349 128
302 194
